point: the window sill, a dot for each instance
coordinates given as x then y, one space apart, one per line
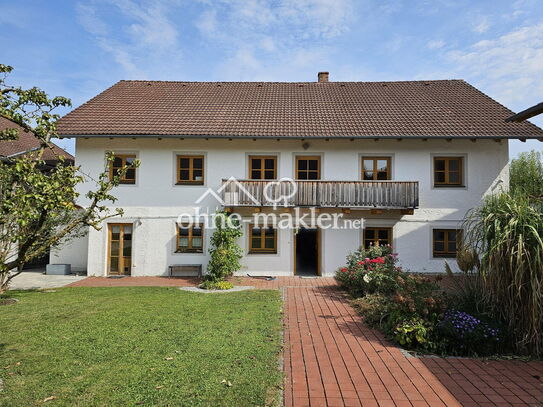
448 186
189 183
262 252
444 256
189 251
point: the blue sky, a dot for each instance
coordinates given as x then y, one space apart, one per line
78 48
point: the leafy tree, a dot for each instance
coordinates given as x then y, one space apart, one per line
225 252
38 208
526 174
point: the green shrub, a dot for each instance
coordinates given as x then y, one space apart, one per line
415 332
526 174
373 307
225 252
216 285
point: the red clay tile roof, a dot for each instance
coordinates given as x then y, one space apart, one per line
27 142
446 108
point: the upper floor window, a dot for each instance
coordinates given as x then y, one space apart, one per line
445 242
262 239
190 169
308 168
377 237
448 171
262 167
119 161
190 238
376 168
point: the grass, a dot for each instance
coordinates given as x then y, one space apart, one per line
112 346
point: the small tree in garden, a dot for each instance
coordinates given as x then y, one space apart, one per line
38 209
225 251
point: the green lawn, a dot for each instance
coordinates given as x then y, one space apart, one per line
110 347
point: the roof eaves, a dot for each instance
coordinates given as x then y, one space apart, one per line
375 136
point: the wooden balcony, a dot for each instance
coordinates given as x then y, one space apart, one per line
322 194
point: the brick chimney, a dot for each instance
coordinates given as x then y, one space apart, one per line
323 76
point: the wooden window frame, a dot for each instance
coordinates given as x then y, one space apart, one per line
123 157
445 253
262 169
189 248
377 229
374 170
446 171
191 180
262 249
297 170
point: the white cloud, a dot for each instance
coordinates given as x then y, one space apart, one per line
87 17
481 26
435 44
266 39
509 67
207 23
142 43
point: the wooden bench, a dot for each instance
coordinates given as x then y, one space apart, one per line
188 270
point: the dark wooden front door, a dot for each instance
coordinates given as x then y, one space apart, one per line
119 249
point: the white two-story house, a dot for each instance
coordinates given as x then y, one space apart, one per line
409 159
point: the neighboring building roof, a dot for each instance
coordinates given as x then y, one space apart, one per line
27 142
526 114
421 109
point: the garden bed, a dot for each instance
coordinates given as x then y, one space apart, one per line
412 309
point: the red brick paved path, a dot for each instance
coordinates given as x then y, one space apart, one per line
332 359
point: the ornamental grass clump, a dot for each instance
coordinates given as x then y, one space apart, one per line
507 232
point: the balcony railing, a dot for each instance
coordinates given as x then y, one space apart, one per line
322 194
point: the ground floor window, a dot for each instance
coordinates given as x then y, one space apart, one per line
445 242
190 238
377 237
262 239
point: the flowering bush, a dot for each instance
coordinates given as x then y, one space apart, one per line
370 271
465 334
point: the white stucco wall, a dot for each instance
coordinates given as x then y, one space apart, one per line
73 252
155 201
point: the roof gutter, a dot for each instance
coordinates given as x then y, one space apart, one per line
8 157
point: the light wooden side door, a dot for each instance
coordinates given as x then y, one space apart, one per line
119 249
